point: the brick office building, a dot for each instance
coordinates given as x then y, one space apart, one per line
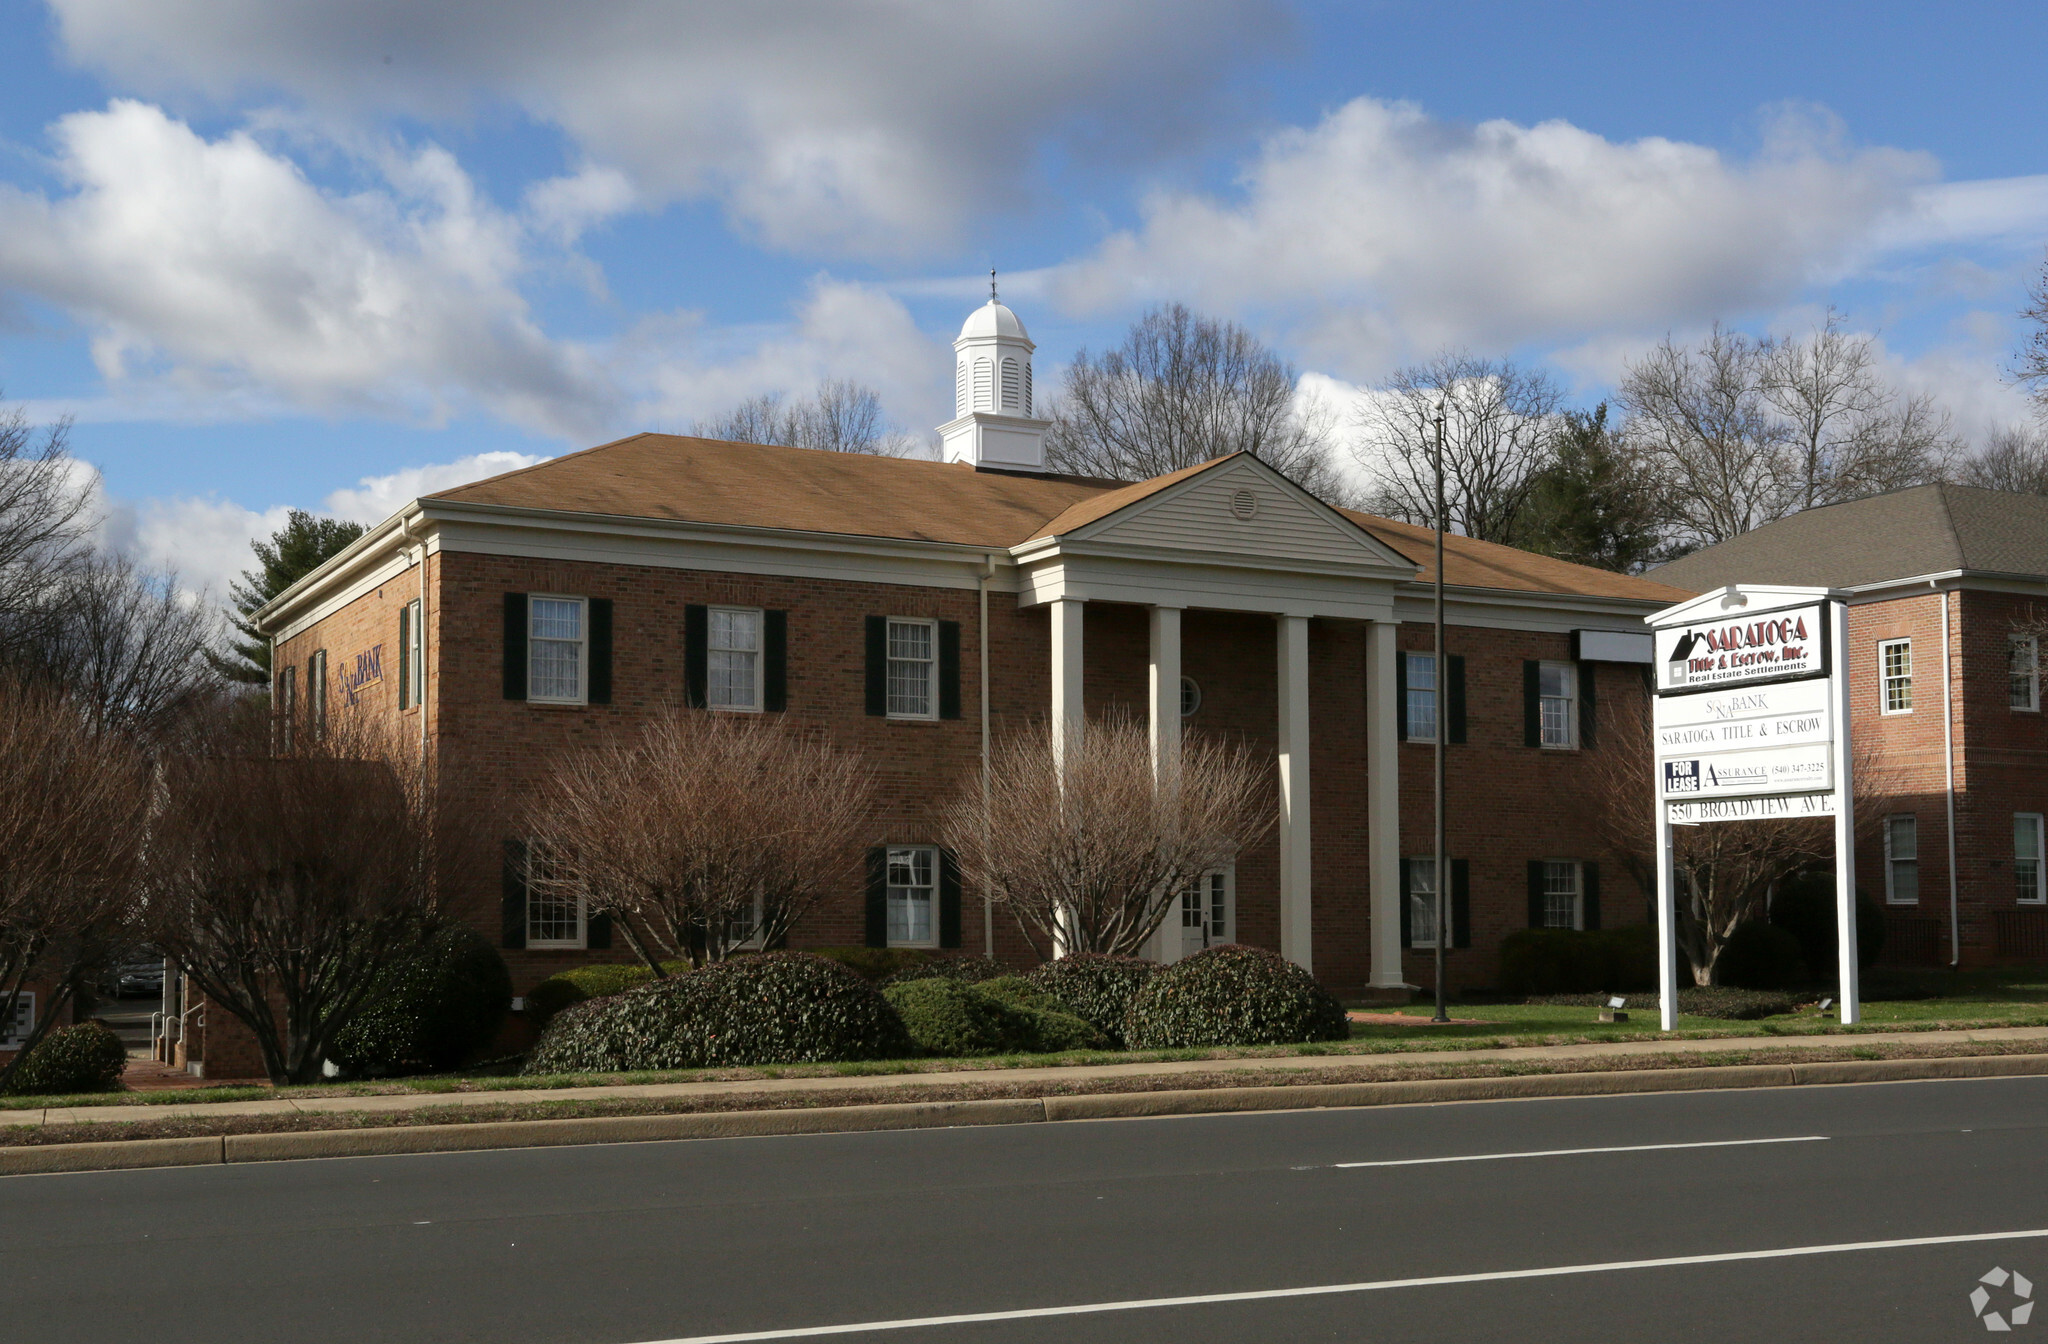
1946 587
509 621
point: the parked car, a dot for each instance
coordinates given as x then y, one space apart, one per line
135 977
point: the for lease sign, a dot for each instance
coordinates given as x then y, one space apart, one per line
1743 649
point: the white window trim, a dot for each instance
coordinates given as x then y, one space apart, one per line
416 656
931 668
316 694
2040 896
1190 697
938 881
1578 896
1408 733
582 938
582 696
1571 705
1416 942
13 1033
1884 681
2033 705
1891 897
760 661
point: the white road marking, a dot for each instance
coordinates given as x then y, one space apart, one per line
1327 1290
1576 1152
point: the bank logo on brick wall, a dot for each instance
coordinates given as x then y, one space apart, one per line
366 670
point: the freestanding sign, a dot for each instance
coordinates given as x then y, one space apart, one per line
1751 722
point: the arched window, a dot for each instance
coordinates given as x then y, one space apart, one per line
1013 385
984 385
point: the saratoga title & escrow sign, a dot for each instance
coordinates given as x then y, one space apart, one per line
1769 646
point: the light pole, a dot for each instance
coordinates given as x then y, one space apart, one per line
1441 879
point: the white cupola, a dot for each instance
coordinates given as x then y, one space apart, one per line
993 425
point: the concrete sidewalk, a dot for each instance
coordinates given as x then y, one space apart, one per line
1304 1065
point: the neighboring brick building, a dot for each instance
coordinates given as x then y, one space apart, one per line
512 620
1946 587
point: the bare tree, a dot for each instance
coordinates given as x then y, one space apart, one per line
1087 850
2030 366
127 644
1182 390
45 518
1741 432
2014 458
1727 870
1499 438
841 417
283 886
704 833
71 823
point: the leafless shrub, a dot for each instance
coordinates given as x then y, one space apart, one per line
45 515
2014 458
71 826
702 834
284 884
1089 853
841 417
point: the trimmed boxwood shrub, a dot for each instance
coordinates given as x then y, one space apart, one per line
1232 995
1000 1016
1574 961
1096 987
86 1058
565 988
970 969
875 963
776 1008
1760 955
430 1011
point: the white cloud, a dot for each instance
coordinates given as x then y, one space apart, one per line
1381 233
214 271
857 128
376 498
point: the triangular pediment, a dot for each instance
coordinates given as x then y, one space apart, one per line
1243 509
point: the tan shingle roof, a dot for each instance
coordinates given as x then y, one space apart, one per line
686 479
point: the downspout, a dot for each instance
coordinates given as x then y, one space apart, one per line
988 904
1948 768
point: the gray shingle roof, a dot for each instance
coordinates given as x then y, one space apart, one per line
1928 529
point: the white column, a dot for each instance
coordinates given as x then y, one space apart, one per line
1067 713
1850 987
1295 935
1667 914
1164 705
1383 802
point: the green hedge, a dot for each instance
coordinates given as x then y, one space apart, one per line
430 1011
970 969
875 963
1000 1016
1096 987
1232 995
88 1057
1573 961
777 1008
566 988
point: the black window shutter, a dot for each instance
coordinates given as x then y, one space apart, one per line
949 899
696 657
514 880
1589 707
1461 903
878 897
1407 898
405 656
1589 877
1532 704
774 661
949 669
1535 893
597 930
1401 705
878 667
515 648
1454 695
600 653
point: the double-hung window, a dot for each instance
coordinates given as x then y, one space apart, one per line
1902 860
1422 901
913 672
1895 675
913 896
1421 707
2029 879
555 907
1564 903
1558 705
733 658
557 649
1207 916
2024 654
316 694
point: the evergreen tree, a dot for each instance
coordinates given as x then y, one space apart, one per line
295 550
1594 504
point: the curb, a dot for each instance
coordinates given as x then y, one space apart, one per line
214 1150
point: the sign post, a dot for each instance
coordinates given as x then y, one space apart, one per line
1751 722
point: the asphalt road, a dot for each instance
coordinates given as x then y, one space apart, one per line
629 1244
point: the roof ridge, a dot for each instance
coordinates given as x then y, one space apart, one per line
544 462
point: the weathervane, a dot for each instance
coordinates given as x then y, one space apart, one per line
991 284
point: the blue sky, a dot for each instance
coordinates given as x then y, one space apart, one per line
331 254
